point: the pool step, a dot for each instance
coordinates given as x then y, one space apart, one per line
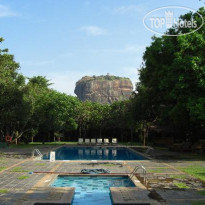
48 196
131 195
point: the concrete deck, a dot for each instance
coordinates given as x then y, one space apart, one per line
131 195
17 186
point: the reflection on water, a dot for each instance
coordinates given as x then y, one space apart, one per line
95 153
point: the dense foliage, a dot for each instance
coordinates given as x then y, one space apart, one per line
172 81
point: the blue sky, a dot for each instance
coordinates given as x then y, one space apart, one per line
65 40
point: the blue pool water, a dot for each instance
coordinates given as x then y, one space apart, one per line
95 153
92 190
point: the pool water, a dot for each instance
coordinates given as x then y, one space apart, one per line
95 153
92 190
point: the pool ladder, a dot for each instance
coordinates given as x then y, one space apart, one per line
38 153
139 166
149 149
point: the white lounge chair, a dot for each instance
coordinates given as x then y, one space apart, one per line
99 141
114 141
106 141
87 141
93 141
80 141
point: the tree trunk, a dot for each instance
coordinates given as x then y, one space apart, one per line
100 132
144 143
131 132
121 135
80 131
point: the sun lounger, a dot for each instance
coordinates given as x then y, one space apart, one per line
87 141
80 141
106 142
93 141
114 141
99 141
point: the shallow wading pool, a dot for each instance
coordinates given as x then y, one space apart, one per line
92 190
95 153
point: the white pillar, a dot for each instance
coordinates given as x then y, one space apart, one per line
52 156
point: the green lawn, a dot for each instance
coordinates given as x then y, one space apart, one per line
19 169
40 144
23 177
197 203
177 176
202 193
181 185
3 191
2 168
198 172
62 143
157 170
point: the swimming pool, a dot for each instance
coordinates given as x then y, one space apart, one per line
95 153
92 190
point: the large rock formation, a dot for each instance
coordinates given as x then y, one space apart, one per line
103 89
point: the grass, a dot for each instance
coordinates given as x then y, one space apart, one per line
2 168
193 156
202 193
181 185
30 145
23 177
52 143
19 169
197 203
40 164
130 143
178 176
198 172
3 191
110 165
2 156
157 170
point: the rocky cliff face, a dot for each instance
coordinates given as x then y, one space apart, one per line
103 89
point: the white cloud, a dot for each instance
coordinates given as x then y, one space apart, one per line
93 30
128 9
6 12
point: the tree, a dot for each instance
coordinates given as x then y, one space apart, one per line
13 109
56 112
172 79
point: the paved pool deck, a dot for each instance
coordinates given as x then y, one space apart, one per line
18 186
